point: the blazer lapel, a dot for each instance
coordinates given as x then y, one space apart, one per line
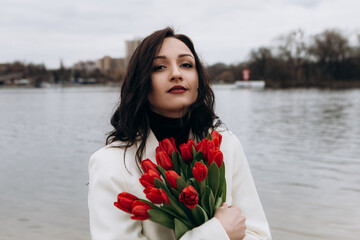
150 148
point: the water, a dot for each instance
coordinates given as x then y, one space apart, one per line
302 146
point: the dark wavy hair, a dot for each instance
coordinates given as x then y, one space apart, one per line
130 119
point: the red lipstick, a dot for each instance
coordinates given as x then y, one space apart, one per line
177 89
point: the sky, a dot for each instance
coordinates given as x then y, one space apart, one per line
48 32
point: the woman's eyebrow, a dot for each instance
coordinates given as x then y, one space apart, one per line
185 55
159 57
180 56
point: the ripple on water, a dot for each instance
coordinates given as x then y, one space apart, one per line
302 147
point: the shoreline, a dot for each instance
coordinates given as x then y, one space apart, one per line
334 85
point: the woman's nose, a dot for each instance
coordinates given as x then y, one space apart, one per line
175 73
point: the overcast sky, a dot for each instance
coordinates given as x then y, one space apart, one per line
43 31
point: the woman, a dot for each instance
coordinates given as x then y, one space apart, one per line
166 93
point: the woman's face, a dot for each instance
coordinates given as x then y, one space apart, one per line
174 79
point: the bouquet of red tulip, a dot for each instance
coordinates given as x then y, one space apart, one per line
184 189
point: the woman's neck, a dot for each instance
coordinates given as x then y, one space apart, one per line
166 127
170 114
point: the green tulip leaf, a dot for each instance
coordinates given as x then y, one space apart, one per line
199 214
198 157
218 202
223 191
161 218
161 184
181 184
211 204
208 201
222 181
194 150
192 181
183 167
174 158
169 209
189 170
180 228
173 212
175 193
183 176
201 187
162 171
204 199
213 178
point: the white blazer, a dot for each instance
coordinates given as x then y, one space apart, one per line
109 176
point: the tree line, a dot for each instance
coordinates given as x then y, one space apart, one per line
325 60
38 74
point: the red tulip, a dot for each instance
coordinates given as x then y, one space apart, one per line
156 195
210 145
159 149
189 196
203 146
171 177
148 178
168 145
147 164
140 209
215 155
216 137
186 150
125 201
200 171
164 160
213 144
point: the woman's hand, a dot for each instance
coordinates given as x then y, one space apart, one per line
232 220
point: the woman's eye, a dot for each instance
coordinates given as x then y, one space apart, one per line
187 65
157 68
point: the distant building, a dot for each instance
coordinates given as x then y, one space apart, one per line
3 67
131 45
9 73
87 66
112 67
10 78
107 65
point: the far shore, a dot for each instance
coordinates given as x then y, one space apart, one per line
268 85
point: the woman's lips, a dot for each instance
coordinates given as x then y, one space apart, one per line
177 89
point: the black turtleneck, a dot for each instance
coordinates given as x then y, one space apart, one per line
165 127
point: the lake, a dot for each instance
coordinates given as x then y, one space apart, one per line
303 147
